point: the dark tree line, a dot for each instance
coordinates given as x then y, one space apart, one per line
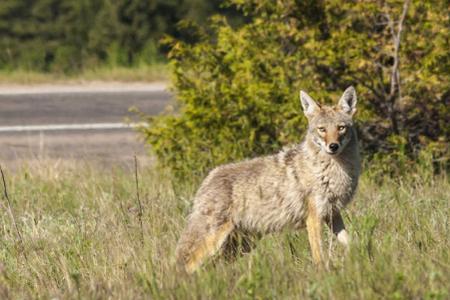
69 35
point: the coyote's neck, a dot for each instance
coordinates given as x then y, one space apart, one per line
337 175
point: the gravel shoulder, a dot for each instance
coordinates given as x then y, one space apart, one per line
95 86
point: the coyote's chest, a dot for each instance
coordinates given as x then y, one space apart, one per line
336 184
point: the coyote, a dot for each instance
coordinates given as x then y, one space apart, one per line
301 186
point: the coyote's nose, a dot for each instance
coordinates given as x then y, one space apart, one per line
334 147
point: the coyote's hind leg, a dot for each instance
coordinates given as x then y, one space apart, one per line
198 242
238 243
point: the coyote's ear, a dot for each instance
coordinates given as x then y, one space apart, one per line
310 107
347 103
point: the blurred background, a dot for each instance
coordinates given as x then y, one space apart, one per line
63 65
67 36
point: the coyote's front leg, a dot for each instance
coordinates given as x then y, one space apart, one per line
336 224
313 226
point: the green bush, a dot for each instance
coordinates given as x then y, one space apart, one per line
237 88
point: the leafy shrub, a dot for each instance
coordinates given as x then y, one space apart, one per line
237 88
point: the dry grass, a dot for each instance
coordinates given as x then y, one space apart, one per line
82 239
143 73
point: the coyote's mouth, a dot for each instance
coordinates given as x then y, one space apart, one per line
333 153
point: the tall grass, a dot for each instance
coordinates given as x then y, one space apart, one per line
82 239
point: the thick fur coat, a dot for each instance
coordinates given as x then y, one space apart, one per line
299 187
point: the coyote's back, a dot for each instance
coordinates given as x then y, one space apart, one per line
300 186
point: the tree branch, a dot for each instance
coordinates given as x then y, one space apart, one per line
395 93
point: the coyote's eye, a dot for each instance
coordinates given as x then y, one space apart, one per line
341 128
321 129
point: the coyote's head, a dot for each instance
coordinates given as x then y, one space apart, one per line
330 127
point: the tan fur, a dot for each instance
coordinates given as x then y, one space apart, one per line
305 184
210 244
332 136
313 226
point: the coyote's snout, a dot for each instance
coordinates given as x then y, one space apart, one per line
302 186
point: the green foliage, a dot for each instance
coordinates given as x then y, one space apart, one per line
45 35
237 88
71 35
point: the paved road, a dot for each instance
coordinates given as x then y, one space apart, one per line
40 109
77 108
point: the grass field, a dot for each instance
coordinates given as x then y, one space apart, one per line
80 234
143 73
